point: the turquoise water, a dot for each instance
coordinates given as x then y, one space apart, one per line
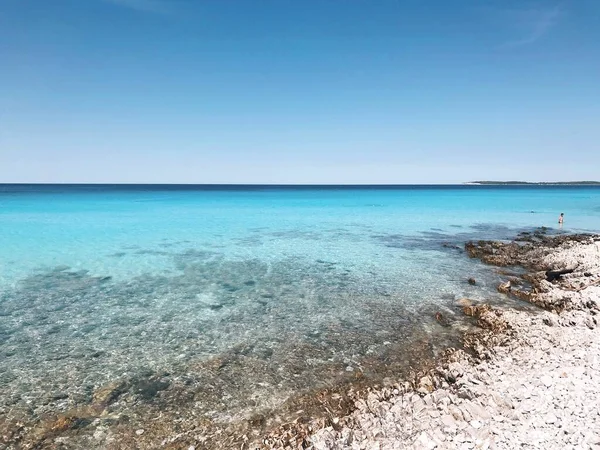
135 231
103 282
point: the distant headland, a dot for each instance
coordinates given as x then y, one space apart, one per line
548 183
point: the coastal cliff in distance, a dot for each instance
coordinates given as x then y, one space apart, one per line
549 183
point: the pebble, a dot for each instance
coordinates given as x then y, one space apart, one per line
476 424
546 380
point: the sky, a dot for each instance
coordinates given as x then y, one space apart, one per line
299 91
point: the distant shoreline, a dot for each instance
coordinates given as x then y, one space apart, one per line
541 183
89 187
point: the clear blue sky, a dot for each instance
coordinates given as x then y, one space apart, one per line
299 91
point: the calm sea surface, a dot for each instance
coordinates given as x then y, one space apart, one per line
302 285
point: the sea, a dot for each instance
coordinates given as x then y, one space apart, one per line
247 296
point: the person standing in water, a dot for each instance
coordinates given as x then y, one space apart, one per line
560 220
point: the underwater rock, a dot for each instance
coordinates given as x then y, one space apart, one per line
441 319
464 302
452 246
148 388
504 288
67 422
108 394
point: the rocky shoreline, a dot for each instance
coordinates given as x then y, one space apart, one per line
526 379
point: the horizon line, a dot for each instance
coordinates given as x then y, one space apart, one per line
464 183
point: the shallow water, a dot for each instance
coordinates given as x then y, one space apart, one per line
286 288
